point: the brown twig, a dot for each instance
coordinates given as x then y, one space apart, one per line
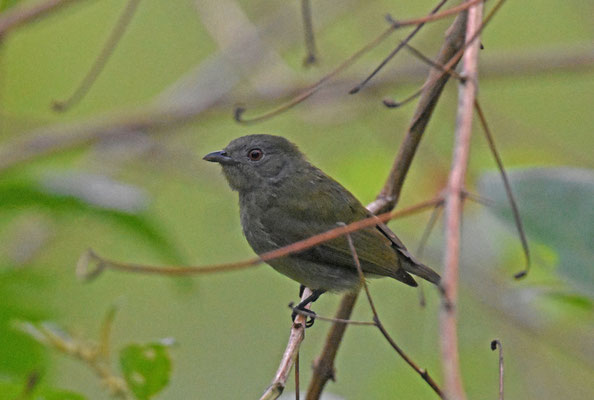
288 359
25 13
424 239
434 84
388 197
422 372
309 91
508 189
100 263
310 42
108 48
494 345
328 319
402 43
453 210
449 65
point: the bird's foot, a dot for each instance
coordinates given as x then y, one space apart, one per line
310 315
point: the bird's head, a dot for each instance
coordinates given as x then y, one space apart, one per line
255 161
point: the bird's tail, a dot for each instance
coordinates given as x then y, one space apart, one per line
421 271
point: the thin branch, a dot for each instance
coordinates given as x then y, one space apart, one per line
297 376
288 359
328 319
422 372
26 13
494 345
403 43
449 65
508 189
90 265
323 366
388 197
424 239
310 43
108 48
434 85
453 210
308 92
312 89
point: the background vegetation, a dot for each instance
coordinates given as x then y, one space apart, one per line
145 195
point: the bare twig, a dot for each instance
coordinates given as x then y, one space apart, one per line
323 366
26 13
388 197
101 60
310 43
403 43
99 264
422 372
447 67
434 84
494 345
292 350
308 92
328 319
508 189
453 210
424 239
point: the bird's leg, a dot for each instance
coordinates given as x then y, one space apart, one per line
301 290
301 306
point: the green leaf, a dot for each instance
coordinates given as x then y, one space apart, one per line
28 193
146 368
557 208
10 390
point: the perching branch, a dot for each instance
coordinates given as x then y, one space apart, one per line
388 198
453 210
101 60
292 350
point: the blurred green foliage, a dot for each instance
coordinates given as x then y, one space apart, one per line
232 328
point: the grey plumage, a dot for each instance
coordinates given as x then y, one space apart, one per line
284 199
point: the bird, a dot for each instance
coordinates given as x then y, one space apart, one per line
283 199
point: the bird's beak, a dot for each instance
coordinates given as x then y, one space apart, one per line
220 157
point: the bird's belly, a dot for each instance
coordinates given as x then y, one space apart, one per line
315 275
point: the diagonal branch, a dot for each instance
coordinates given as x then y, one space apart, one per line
453 210
290 355
309 91
422 372
508 189
90 265
388 198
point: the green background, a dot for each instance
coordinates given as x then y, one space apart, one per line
231 328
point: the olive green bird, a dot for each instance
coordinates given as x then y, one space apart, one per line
284 199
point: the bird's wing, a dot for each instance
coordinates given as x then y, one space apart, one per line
293 221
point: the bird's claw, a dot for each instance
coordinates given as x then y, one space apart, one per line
309 314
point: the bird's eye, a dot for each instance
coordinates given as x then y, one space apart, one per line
255 154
